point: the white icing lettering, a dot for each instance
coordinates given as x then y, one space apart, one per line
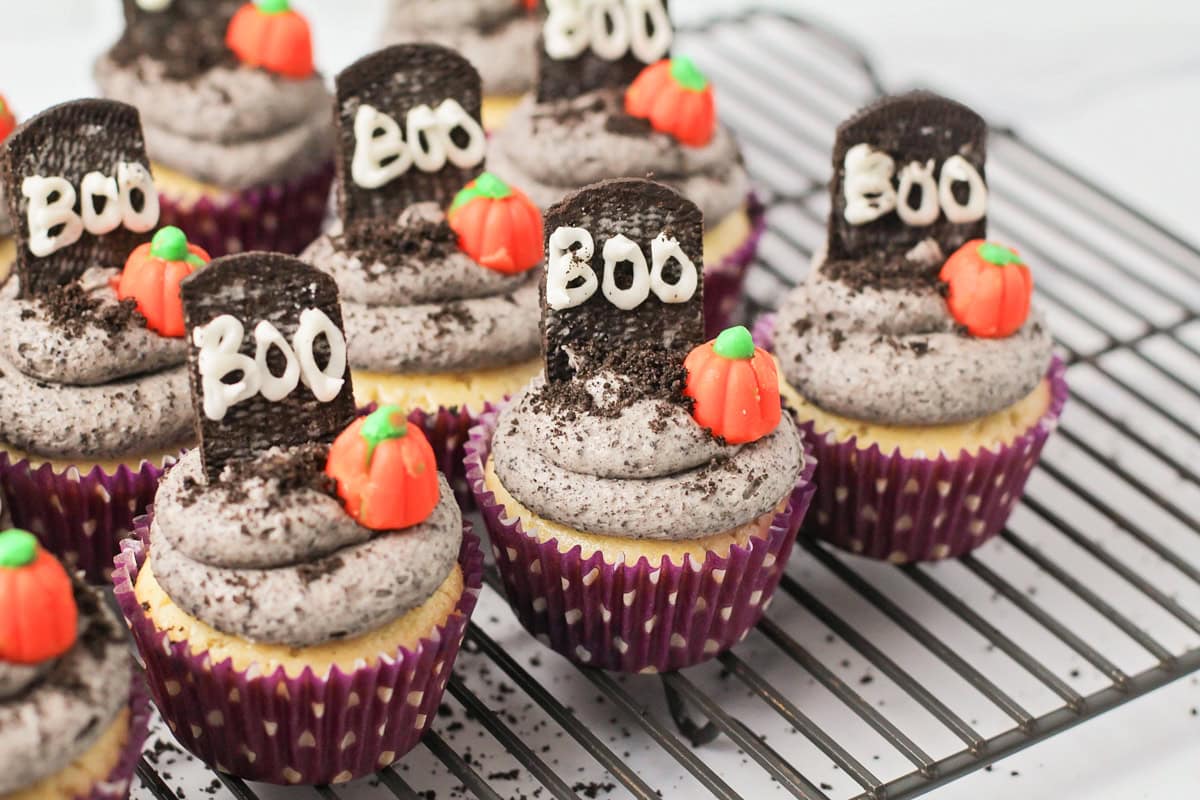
384 152
868 184
617 250
378 159
451 115
98 186
662 250
958 169
133 177
565 266
611 28
46 214
154 6
220 342
916 174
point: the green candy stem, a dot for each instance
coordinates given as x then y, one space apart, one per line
997 254
171 244
18 548
686 74
382 425
273 6
487 185
735 343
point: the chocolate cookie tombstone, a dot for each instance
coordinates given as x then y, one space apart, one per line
79 190
624 278
907 169
409 131
184 37
597 44
267 357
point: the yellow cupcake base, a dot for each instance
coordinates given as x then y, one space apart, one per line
450 389
346 654
92 766
729 234
990 432
621 549
84 466
8 257
184 190
497 108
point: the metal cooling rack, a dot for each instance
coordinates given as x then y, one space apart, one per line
868 680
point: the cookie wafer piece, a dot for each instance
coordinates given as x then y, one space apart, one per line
267 357
408 131
185 38
586 45
908 172
639 293
91 151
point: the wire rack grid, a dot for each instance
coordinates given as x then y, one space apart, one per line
870 680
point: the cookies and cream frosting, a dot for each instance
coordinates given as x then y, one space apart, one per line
643 469
269 554
894 355
414 302
552 148
498 36
84 377
52 713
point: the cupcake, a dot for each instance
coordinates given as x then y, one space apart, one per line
236 118
498 36
642 495
298 600
911 354
8 247
611 103
73 713
432 255
94 395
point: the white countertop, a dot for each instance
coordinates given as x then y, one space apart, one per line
1111 88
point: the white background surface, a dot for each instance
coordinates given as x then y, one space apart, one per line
1112 88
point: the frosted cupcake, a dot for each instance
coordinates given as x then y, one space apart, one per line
94 395
73 716
498 36
643 496
245 591
611 103
433 256
236 118
911 354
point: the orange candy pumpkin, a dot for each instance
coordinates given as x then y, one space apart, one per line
734 386
385 470
38 617
152 275
269 34
8 122
677 99
497 225
990 289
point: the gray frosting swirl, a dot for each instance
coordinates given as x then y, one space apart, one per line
43 349
551 149
495 35
234 127
90 395
291 568
64 710
439 312
896 356
653 499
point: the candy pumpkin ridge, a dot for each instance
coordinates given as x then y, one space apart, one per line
385 423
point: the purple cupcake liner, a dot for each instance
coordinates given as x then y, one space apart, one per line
723 282
306 730
447 430
116 785
79 518
902 509
283 217
638 617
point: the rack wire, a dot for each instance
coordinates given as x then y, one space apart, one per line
976 659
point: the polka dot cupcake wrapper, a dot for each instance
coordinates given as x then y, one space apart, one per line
283 217
116 785
639 617
723 282
447 430
889 506
302 730
80 518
